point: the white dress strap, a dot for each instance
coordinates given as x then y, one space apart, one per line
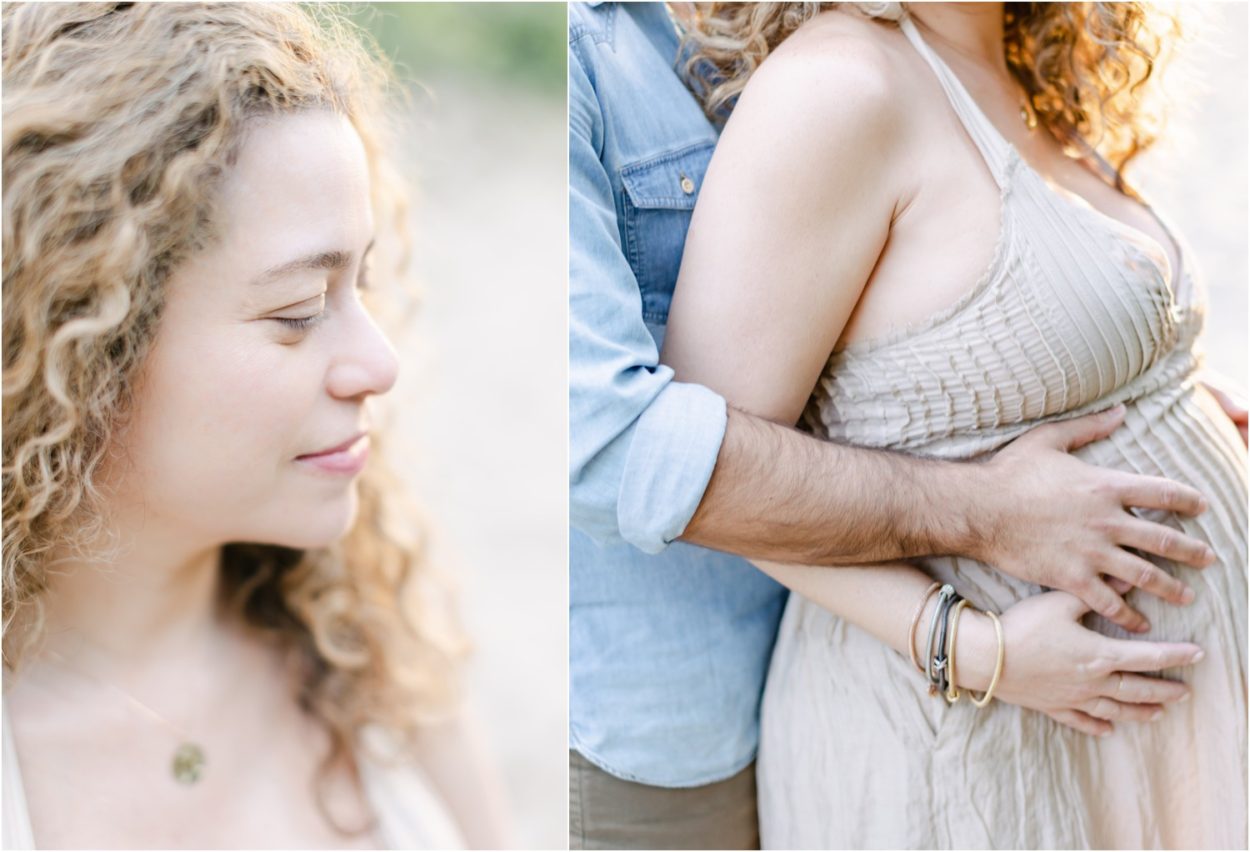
17 832
995 150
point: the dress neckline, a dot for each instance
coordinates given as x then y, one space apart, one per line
957 90
396 793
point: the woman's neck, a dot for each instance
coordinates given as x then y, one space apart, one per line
974 30
154 599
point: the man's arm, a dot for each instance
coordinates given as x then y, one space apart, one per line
641 446
781 495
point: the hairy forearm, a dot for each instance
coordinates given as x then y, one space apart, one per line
781 495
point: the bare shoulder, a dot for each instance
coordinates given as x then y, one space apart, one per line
838 67
824 110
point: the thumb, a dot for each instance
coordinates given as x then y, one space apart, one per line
1073 434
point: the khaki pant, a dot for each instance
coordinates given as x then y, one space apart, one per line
608 813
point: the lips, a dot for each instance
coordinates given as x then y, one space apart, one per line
343 459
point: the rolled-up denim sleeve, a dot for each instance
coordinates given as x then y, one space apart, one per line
641 446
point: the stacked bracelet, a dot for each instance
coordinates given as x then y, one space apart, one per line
998 665
940 679
939 649
946 593
915 622
952 691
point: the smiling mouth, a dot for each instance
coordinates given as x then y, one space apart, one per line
346 459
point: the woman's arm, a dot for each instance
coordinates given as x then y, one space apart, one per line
794 212
1076 676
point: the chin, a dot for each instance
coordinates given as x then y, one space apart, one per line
316 525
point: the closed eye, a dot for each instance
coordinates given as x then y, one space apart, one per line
304 320
300 323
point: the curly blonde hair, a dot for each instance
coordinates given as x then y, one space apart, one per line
120 120
1083 66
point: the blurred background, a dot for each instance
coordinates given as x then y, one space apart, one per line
1196 175
478 417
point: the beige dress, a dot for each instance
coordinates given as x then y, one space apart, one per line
1075 313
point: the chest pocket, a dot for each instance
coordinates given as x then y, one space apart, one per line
659 196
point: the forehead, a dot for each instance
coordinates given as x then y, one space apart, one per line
300 181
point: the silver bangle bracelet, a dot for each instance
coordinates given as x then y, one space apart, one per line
947 591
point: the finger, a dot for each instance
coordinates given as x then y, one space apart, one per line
1139 689
1149 578
1107 708
1109 605
1155 492
1164 541
1136 656
1118 586
1079 431
1082 722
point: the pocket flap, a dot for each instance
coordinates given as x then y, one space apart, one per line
671 181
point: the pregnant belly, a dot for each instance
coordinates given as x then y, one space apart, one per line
1180 433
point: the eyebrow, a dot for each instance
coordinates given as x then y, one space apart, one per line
329 261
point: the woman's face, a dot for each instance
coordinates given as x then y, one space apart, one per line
264 353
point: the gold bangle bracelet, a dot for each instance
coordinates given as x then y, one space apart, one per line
952 691
915 621
998 666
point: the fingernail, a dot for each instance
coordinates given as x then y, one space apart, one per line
1210 557
1198 656
1155 715
1183 698
1145 627
1187 596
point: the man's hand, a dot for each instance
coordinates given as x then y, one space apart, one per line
1231 401
1061 523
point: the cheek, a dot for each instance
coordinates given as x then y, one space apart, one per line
221 411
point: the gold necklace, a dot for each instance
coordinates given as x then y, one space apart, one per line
1027 115
189 759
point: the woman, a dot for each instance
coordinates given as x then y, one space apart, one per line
220 631
910 236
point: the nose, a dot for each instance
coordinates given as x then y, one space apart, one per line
366 363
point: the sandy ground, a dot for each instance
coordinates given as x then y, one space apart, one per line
480 410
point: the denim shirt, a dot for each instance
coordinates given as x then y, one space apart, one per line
668 643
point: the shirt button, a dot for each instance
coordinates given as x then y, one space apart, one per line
687 185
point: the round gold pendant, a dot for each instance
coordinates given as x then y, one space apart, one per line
188 763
